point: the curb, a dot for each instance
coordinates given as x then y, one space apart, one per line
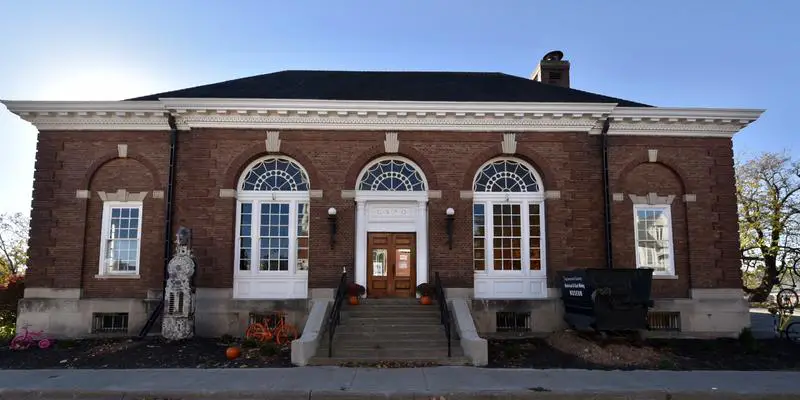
346 395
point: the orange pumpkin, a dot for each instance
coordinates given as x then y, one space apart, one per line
232 352
426 300
353 300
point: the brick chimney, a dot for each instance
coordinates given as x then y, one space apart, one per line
552 69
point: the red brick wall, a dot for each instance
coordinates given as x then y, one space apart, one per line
210 159
64 237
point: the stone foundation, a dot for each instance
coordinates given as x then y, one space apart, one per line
62 313
217 313
709 313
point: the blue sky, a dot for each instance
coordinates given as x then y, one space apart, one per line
730 53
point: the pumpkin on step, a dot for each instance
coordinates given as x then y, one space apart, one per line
425 292
354 292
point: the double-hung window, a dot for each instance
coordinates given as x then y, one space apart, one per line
653 236
120 247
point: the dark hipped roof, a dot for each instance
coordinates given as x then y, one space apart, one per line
391 86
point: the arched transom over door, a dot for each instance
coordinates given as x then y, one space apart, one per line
508 231
391 227
272 230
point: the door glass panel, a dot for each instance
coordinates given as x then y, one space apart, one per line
403 266
379 262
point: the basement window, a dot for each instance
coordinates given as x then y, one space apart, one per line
270 319
664 321
510 321
110 323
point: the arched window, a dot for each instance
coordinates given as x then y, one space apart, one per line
275 174
392 174
506 176
272 228
508 224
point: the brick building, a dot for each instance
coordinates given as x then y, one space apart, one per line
262 168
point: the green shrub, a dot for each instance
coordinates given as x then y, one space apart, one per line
12 289
268 349
747 340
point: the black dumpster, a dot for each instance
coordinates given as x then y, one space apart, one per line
606 299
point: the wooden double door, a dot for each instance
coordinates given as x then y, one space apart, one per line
391 264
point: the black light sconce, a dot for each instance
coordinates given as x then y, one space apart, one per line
332 221
449 220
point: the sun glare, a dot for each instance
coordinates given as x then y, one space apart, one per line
100 84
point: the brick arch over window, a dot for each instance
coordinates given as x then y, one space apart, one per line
100 162
633 225
524 153
664 161
365 158
237 167
652 177
135 176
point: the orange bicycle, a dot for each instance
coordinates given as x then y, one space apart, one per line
273 327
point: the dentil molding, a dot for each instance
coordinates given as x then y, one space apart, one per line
383 115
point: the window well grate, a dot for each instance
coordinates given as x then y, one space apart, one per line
510 321
270 319
664 320
109 322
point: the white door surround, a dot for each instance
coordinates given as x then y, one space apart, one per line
391 211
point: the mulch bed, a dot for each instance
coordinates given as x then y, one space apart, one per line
586 351
155 352
559 350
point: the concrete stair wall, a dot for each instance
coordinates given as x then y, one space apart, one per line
390 330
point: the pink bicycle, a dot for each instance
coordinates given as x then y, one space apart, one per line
24 340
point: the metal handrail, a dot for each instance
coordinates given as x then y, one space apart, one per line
444 311
334 315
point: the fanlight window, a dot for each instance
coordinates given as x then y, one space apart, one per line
392 175
506 176
275 174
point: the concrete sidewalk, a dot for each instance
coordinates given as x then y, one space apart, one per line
408 383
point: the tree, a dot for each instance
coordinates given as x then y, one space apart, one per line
13 243
768 194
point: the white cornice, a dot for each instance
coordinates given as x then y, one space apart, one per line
382 115
678 122
91 115
385 115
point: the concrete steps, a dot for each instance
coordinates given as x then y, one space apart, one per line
367 361
390 331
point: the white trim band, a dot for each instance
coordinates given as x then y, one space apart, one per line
276 114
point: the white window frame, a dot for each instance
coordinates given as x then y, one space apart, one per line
491 283
415 166
524 200
258 200
105 231
254 283
667 210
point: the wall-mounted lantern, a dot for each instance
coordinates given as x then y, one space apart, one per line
450 212
332 221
